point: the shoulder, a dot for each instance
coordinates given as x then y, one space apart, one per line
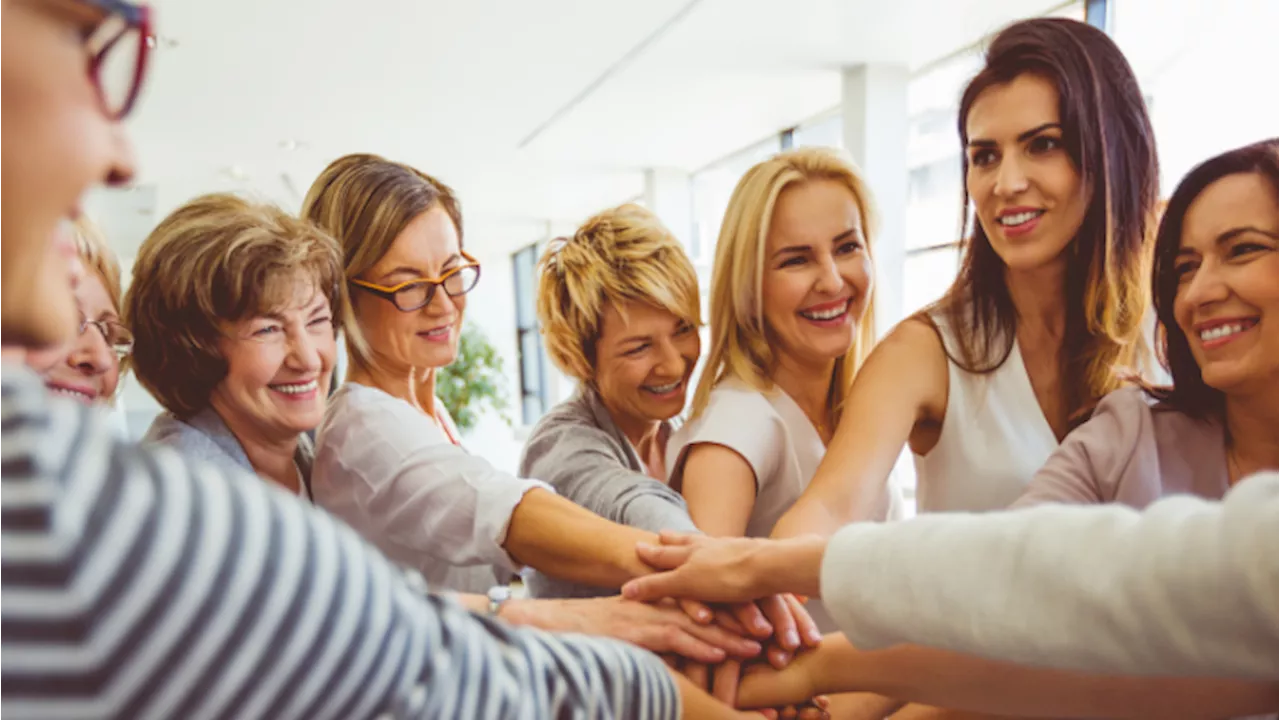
361 411
568 428
733 401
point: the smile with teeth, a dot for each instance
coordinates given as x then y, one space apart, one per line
1224 331
296 388
1019 218
663 389
73 393
830 314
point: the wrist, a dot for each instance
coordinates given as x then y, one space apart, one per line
793 565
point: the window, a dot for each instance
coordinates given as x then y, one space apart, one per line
534 387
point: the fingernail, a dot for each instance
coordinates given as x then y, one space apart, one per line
792 639
645 546
815 637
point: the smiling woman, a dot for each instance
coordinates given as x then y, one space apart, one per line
232 305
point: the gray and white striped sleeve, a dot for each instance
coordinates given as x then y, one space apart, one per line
137 584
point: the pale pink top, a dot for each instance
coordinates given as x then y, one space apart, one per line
1133 451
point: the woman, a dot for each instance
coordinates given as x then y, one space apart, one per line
88 369
1060 167
619 309
232 305
792 284
388 459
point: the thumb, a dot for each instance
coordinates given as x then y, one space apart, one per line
663 557
675 537
651 587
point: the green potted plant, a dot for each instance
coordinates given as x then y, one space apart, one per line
474 379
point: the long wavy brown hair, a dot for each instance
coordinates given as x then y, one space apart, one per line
1109 138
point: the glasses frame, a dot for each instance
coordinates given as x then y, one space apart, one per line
389 293
102 326
136 17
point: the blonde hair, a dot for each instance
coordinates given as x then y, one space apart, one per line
219 258
365 201
740 343
621 254
97 256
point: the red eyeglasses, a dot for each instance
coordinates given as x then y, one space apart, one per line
118 53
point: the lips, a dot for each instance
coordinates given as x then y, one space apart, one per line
1216 333
78 392
299 388
437 334
827 311
664 390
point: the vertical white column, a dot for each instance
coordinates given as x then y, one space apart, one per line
668 192
874 108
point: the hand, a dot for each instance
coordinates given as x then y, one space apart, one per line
660 628
765 686
727 569
781 617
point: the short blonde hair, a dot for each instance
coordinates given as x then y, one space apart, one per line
97 256
219 258
740 345
621 254
365 201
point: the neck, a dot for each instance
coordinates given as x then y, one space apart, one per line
1038 297
1252 429
414 386
809 385
271 457
640 431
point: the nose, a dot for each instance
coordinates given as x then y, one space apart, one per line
121 164
829 280
304 354
671 362
1206 286
1011 178
91 355
441 304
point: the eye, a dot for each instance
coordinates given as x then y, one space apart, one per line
322 320
1183 269
982 157
268 330
848 247
684 329
636 350
1246 248
1045 143
793 261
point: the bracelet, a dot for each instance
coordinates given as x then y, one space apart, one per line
498 595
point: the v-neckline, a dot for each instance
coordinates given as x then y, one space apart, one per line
800 414
1029 390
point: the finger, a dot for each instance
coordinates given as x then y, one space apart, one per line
677 640
675 537
805 625
697 674
653 587
726 620
822 701
769 714
784 625
660 557
696 611
752 619
734 644
778 657
812 713
724 682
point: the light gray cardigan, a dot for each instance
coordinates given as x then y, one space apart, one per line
578 450
205 436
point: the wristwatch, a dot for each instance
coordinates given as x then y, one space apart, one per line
498 594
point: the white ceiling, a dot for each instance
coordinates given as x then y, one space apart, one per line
531 110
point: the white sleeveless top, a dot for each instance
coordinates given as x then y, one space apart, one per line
994 438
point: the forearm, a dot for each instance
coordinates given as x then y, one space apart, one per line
810 515
970 684
793 565
1101 589
560 539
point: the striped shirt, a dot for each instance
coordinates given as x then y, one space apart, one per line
137 584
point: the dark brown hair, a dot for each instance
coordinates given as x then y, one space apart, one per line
1108 136
1189 393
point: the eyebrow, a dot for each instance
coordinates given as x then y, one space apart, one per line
805 248
1026 135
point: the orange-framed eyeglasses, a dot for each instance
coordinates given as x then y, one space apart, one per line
416 294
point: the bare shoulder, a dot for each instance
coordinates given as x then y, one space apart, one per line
911 360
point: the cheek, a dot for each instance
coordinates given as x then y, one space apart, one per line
252 369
